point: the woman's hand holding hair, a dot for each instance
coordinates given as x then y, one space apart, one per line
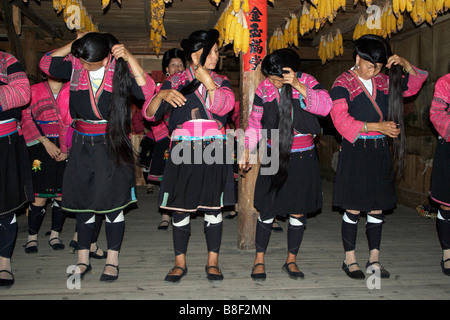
290 77
120 51
397 60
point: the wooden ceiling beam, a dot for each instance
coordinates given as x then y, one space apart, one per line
36 18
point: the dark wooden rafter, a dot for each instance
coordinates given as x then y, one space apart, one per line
148 15
14 41
36 18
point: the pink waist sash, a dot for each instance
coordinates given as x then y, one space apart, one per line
49 129
8 128
90 128
192 129
300 142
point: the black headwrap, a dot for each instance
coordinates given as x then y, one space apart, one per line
198 40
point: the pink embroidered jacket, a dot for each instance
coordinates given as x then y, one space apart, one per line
84 104
15 89
217 109
42 108
440 107
353 104
158 130
317 102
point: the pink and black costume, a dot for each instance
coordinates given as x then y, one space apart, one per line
190 183
440 178
42 118
365 177
16 188
302 191
103 187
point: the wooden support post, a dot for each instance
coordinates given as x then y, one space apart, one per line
30 53
251 76
14 42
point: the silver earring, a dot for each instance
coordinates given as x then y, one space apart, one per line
167 74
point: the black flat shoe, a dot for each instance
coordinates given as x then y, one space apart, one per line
176 277
163 225
57 245
213 276
6 283
357 274
107 277
31 249
276 227
82 274
95 255
384 274
231 215
445 270
258 276
293 274
73 246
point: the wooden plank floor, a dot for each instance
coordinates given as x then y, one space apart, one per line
410 251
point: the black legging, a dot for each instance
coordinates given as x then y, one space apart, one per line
8 233
87 226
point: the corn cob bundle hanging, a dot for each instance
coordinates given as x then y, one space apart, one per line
330 47
105 3
338 43
233 28
361 28
75 15
321 11
157 31
277 40
384 24
238 4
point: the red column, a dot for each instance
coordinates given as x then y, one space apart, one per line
251 76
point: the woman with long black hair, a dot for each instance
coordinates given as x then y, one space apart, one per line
199 101
287 102
99 176
368 113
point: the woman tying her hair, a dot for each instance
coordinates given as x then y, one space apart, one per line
367 110
287 102
198 101
99 176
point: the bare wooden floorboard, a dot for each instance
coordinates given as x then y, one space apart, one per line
410 251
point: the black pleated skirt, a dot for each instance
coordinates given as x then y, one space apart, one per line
146 151
92 181
16 187
159 159
440 177
365 176
300 194
197 177
46 172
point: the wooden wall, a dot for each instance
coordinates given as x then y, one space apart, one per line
429 49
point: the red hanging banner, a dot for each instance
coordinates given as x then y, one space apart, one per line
257 25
